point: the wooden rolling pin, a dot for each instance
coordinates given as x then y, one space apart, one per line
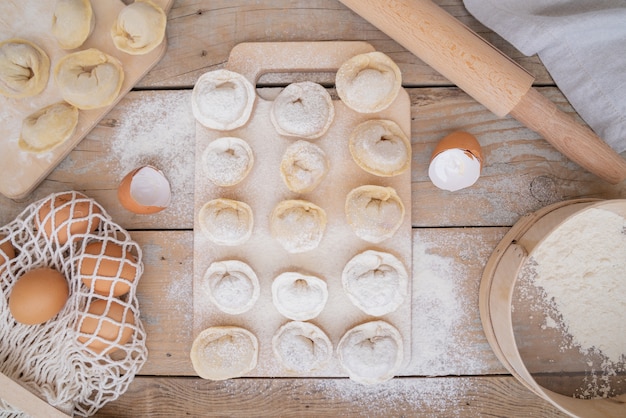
490 77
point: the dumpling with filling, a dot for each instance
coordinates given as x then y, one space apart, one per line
369 82
72 22
380 147
299 296
89 79
374 212
139 27
298 225
222 100
48 128
303 110
227 161
303 166
372 352
226 221
301 347
24 68
376 282
233 286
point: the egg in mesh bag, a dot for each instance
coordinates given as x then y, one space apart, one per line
90 351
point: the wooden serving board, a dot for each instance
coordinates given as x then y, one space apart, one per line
31 20
263 188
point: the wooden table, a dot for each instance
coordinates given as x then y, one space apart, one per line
453 371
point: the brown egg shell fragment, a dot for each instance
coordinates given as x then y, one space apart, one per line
128 202
460 140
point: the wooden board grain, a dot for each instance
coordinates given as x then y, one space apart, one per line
31 20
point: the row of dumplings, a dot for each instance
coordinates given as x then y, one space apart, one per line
86 79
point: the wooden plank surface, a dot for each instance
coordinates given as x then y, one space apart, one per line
454 371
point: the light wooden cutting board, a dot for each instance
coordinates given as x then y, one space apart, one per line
31 19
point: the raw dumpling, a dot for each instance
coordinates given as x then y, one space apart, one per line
224 352
233 286
222 100
380 147
303 110
72 22
298 296
303 166
298 225
48 127
376 282
227 161
372 352
139 27
368 83
24 68
374 212
89 79
226 221
301 347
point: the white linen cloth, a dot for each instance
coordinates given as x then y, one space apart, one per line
582 44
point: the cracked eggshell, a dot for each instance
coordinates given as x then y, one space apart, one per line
456 161
144 190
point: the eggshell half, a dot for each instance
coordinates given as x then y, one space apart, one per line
456 162
66 215
461 140
38 295
144 190
105 265
104 328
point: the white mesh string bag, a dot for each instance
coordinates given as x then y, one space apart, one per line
53 359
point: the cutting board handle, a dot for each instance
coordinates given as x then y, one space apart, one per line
253 59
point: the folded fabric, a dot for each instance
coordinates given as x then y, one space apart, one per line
582 44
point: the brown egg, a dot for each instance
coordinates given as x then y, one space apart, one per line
116 268
144 191
7 252
60 213
38 296
107 329
461 140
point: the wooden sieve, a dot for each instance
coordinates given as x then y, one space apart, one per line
496 299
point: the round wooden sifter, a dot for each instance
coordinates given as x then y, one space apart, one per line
498 297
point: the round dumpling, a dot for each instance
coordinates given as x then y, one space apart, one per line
224 352
227 161
233 286
24 68
89 79
368 83
301 347
48 127
72 22
139 27
226 221
376 282
298 225
372 352
222 100
374 212
303 110
299 296
380 147
303 166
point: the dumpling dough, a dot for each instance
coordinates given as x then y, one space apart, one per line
139 27
226 221
303 110
303 166
298 225
222 100
298 296
227 161
89 79
224 352
380 147
24 68
371 353
301 347
374 212
48 127
72 22
376 282
368 83
233 286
